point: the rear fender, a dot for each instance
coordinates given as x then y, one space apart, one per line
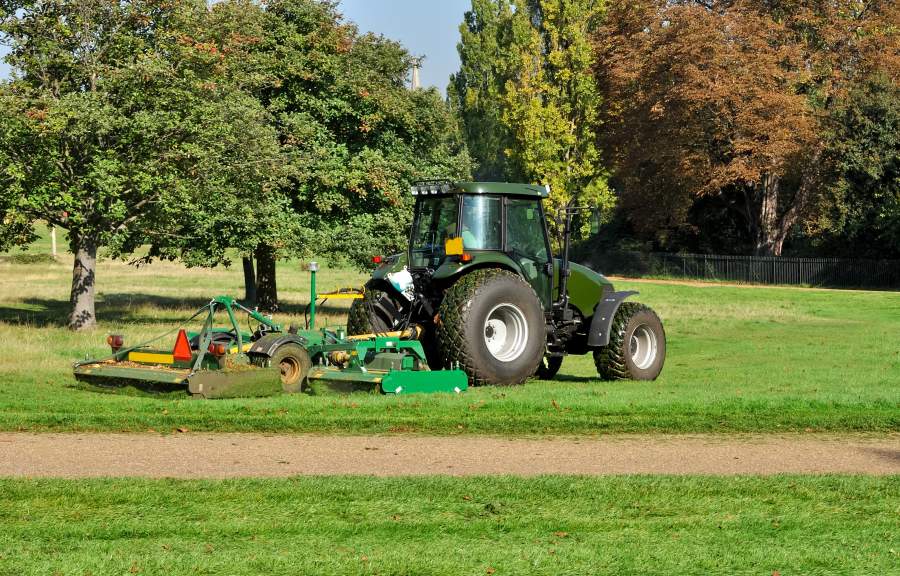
601 324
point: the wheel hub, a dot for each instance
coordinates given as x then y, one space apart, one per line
289 369
643 347
506 332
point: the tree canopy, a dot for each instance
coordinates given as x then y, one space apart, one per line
733 101
108 126
527 98
203 130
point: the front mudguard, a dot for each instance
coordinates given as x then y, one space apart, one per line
268 344
601 323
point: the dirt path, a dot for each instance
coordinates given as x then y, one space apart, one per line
235 455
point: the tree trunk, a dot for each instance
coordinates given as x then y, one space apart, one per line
266 290
249 281
81 300
771 229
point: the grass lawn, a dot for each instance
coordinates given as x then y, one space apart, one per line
490 525
739 360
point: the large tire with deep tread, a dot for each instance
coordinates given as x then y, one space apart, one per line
375 312
462 327
616 360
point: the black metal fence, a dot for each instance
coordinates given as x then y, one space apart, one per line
832 272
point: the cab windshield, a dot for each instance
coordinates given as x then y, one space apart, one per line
435 223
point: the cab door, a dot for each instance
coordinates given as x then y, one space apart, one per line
526 243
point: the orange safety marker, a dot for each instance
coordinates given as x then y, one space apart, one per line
182 350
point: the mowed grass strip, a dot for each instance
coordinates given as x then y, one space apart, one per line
739 360
439 525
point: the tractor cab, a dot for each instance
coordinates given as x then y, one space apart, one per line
480 280
465 225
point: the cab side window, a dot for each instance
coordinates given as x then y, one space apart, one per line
525 235
481 222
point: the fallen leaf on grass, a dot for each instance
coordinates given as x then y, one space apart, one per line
560 534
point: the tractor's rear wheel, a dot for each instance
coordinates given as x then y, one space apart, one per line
637 345
491 324
375 312
293 362
548 367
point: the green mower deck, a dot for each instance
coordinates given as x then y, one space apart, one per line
217 362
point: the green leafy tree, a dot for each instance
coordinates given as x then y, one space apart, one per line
862 203
527 98
478 90
552 102
352 134
105 131
242 161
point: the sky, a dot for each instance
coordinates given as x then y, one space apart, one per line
427 28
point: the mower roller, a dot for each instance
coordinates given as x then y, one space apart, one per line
228 362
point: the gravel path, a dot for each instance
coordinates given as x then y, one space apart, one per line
240 455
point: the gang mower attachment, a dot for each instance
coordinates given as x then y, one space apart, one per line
226 360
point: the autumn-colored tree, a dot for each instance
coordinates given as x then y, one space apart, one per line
706 103
726 99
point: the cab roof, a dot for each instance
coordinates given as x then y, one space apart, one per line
428 187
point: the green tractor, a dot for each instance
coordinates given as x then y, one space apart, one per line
480 278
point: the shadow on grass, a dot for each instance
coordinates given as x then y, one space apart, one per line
132 388
572 378
133 308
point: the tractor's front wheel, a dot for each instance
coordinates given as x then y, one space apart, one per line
491 324
637 345
548 367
